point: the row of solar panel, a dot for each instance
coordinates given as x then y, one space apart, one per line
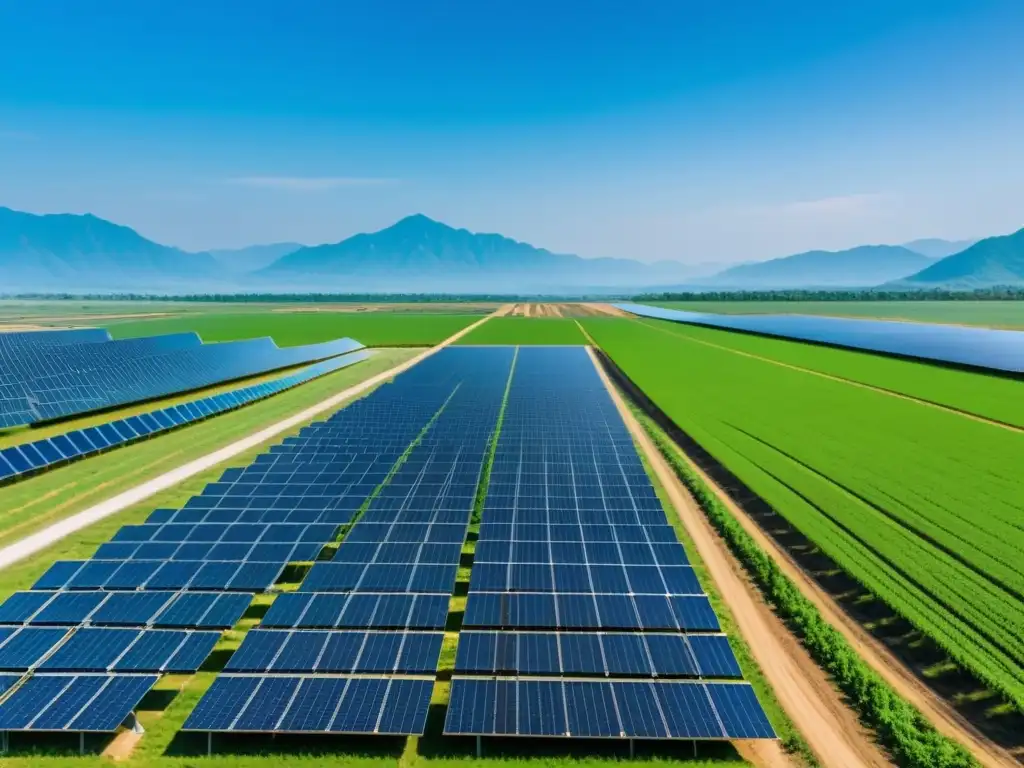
43 384
639 552
565 577
380 577
230 551
357 610
97 703
280 651
27 458
615 654
233 576
281 704
103 650
535 610
15 341
585 531
273 533
605 709
200 610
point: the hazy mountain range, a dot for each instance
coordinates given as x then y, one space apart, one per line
63 252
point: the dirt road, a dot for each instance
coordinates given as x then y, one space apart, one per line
829 727
47 536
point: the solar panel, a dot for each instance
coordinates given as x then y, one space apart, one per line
47 382
27 647
309 704
98 703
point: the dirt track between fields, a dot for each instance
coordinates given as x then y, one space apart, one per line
805 692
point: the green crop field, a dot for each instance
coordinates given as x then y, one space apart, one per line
374 329
992 397
995 314
920 505
526 330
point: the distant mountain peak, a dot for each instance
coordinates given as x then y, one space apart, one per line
989 262
860 267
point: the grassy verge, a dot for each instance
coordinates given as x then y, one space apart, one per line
909 737
42 500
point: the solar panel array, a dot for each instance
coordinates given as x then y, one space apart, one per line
990 348
583 619
590 607
388 584
21 460
156 596
47 375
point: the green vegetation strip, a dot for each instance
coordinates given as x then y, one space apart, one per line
39 501
374 329
991 397
526 331
891 491
911 739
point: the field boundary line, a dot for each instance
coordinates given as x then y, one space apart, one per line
40 540
817 715
842 380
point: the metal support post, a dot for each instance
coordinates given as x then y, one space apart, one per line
479 746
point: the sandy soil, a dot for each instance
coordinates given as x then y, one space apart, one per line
829 727
122 746
19 327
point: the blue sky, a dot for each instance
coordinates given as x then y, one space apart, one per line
699 130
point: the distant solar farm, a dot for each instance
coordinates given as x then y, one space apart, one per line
402 553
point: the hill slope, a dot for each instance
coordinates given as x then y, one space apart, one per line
992 261
65 251
864 266
420 254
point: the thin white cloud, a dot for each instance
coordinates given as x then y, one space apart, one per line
308 183
840 205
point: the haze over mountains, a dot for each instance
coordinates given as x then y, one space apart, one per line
64 252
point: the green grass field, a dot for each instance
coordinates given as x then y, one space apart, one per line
374 329
991 397
994 314
526 330
38 501
921 506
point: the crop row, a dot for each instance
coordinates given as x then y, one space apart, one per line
921 506
899 726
